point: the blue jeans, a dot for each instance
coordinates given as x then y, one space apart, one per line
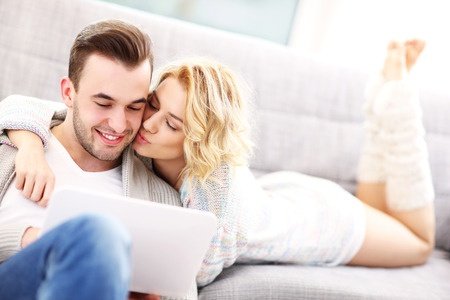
87 257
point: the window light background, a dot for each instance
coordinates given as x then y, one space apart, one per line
350 32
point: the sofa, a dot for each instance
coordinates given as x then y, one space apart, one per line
307 118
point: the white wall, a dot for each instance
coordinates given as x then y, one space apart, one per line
356 32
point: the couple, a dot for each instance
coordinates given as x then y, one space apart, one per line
195 130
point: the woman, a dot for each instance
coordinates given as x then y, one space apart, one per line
196 132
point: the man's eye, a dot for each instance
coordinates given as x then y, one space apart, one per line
135 108
102 105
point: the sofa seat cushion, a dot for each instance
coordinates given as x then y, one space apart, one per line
429 281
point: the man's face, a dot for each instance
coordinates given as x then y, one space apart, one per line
108 106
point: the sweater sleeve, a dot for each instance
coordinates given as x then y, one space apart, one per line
11 239
11 233
28 113
220 197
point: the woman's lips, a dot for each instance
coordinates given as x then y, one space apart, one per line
141 139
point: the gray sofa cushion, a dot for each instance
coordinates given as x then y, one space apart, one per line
301 282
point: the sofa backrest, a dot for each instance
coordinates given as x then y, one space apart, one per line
308 114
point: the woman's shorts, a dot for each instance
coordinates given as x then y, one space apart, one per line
306 220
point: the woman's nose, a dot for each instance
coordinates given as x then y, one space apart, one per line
150 124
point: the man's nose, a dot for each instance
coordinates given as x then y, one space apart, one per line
118 121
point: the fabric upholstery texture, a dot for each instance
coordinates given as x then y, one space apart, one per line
302 282
308 118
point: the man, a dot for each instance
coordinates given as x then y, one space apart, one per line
105 93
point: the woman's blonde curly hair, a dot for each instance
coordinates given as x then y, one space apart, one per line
216 123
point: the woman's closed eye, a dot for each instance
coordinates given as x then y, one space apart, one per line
153 105
170 126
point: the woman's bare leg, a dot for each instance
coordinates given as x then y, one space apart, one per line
396 241
372 194
398 234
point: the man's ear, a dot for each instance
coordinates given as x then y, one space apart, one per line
67 91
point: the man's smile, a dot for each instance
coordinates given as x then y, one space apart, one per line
109 138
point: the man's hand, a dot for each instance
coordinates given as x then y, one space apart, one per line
30 235
140 296
33 175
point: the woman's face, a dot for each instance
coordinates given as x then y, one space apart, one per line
161 135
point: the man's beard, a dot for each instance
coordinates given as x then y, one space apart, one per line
86 140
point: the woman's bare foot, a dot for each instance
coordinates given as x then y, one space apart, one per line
395 61
401 57
413 48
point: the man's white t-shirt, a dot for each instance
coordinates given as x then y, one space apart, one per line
16 208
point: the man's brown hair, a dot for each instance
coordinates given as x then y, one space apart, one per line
112 38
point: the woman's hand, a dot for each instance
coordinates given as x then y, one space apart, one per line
33 174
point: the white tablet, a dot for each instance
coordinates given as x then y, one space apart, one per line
169 242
